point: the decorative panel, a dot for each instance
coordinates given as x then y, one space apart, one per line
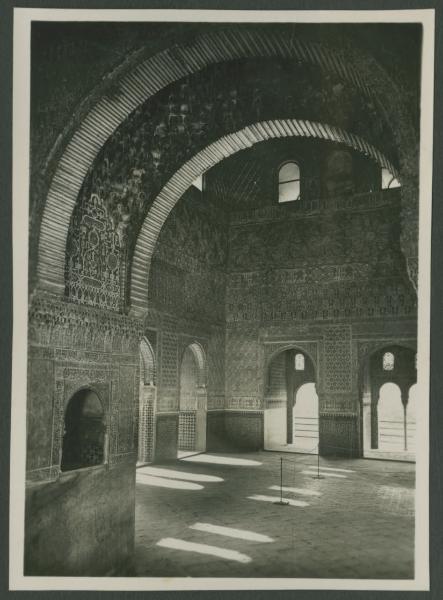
186 429
94 268
242 380
337 350
244 402
169 364
216 370
127 415
146 424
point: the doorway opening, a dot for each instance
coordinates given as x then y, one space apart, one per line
305 429
389 404
291 416
147 404
192 416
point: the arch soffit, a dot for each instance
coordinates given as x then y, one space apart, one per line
388 346
223 148
148 358
199 355
367 350
80 144
292 346
85 387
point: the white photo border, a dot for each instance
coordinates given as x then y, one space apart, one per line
23 17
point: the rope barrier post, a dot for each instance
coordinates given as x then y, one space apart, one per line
318 476
281 502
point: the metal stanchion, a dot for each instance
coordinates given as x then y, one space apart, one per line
318 476
281 502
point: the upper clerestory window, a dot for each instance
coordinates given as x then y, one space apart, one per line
289 182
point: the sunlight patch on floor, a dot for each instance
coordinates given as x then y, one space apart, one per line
175 544
223 460
300 503
167 483
300 491
334 469
241 534
171 474
324 474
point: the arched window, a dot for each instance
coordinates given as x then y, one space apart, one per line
84 434
388 181
289 182
388 361
299 362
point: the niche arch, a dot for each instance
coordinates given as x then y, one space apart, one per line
84 441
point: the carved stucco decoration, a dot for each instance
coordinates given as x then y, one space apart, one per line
95 268
60 324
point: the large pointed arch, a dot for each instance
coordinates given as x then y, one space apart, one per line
91 126
207 158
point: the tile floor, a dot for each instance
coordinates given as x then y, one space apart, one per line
215 516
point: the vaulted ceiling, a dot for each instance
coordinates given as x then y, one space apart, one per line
203 98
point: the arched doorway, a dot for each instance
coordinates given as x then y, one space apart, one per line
192 402
147 406
84 436
388 404
305 429
390 419
291 416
